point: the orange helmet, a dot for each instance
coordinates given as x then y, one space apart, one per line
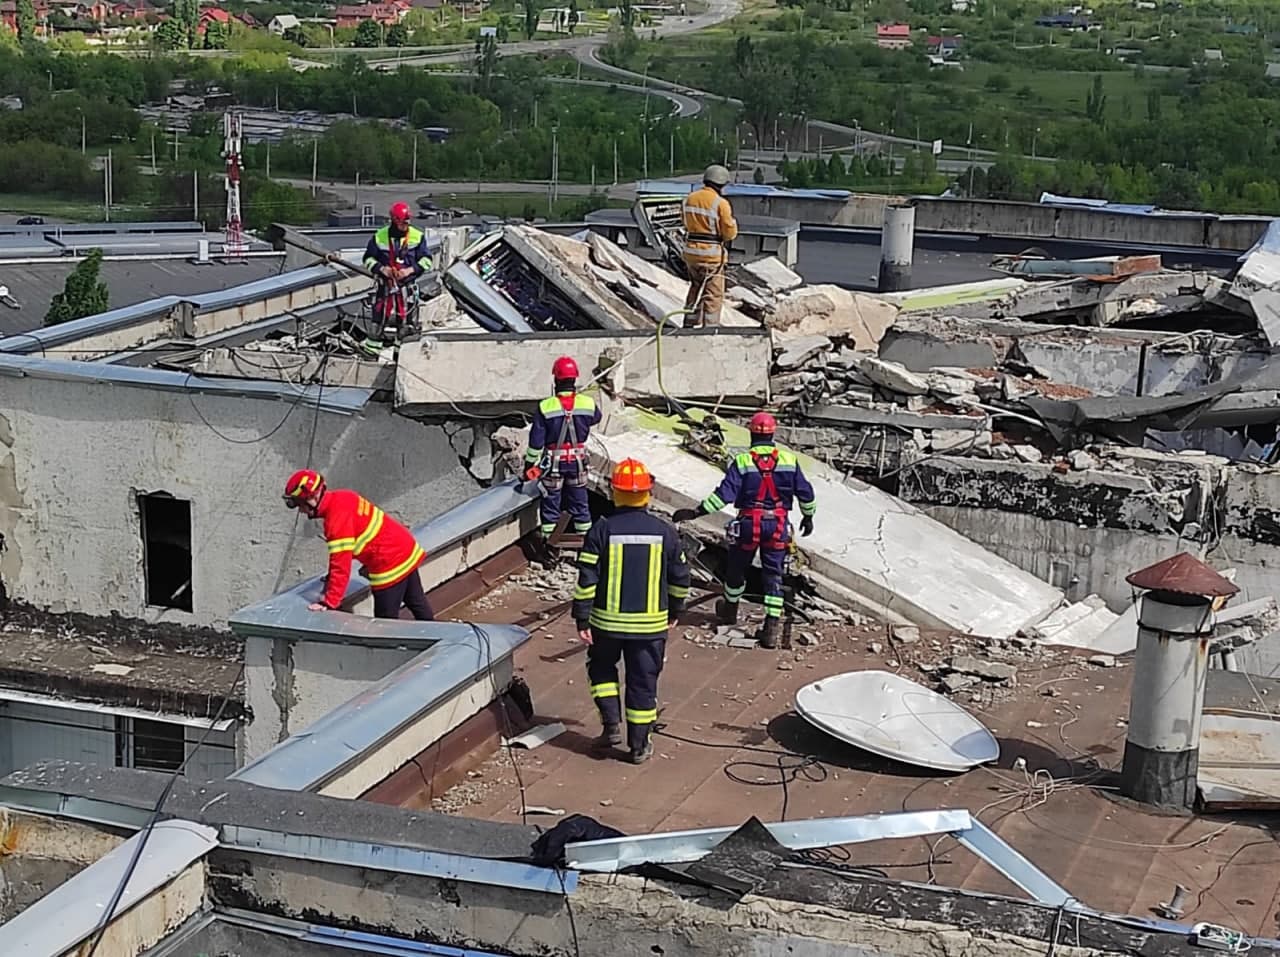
762 423
630 475
564 368
303 483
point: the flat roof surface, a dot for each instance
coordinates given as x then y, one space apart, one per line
1065 717
130 281
121 662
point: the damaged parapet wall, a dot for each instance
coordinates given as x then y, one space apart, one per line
1083 526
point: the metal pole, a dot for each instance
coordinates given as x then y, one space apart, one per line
153 154
106 188
82 150
415 157
646 154
897 239
615 161
672 148
195 195
357 203
268 160
315 150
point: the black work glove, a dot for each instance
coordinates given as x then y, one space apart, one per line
686 514
806 526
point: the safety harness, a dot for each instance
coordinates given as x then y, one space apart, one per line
391 292
765 463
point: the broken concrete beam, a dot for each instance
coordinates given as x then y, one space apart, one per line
799 350
980 668
857 415
831 311
893 377
772 274
439 371
890 558
959 441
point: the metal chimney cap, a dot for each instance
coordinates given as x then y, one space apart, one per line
1183 574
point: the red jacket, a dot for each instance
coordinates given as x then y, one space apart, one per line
356 528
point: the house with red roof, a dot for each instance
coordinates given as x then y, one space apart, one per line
893 36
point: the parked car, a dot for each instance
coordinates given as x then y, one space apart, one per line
31 221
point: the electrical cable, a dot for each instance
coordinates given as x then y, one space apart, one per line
145 834
806 766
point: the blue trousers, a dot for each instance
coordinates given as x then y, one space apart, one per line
565 490
773 560
643 660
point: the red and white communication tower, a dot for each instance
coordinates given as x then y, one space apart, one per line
235 245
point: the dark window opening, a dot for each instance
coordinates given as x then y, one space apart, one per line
166 541
150 745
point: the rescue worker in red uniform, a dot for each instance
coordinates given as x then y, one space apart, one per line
397 255
356 528
557 451
762 483
633 579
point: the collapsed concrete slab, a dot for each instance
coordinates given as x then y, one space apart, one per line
886 556
495 371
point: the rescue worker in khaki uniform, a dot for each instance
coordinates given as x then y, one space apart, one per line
355 528
557 451
633 579
762 483
710 228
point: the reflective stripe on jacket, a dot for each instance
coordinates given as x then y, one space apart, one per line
549 424
410 250
356 528
707 214
632 575
741 485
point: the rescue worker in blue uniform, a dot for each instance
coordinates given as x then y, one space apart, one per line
762 483
633 580
557 451
397 256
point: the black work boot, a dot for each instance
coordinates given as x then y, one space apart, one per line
727 611
610 737
770 633
644 754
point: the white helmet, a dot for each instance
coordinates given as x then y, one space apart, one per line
716 175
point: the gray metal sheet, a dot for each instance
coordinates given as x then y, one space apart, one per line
683 847
341 400
401 860
314 756
69 914
991 848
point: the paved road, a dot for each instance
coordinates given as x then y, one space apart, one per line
383 194
683 106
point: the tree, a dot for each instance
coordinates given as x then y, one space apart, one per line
26 21
368 34
486 61
82 294
627 17
187 13
1096 104
421 114
531 11
398 35
215 35
1153 106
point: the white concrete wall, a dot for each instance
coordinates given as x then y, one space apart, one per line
74 456
288 685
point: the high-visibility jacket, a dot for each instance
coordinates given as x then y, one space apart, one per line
632 575
763 482
356 528
709 225
580 412
389 249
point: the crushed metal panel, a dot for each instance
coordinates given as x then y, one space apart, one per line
1239 747
684 847
991 848
403 860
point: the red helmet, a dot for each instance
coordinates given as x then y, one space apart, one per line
631 476
762 423
303 483
400 213
564 368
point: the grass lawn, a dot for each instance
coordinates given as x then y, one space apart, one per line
488 203
76 210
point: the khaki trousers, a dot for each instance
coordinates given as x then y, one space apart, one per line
706 292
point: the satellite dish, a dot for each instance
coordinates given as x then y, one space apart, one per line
896 718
